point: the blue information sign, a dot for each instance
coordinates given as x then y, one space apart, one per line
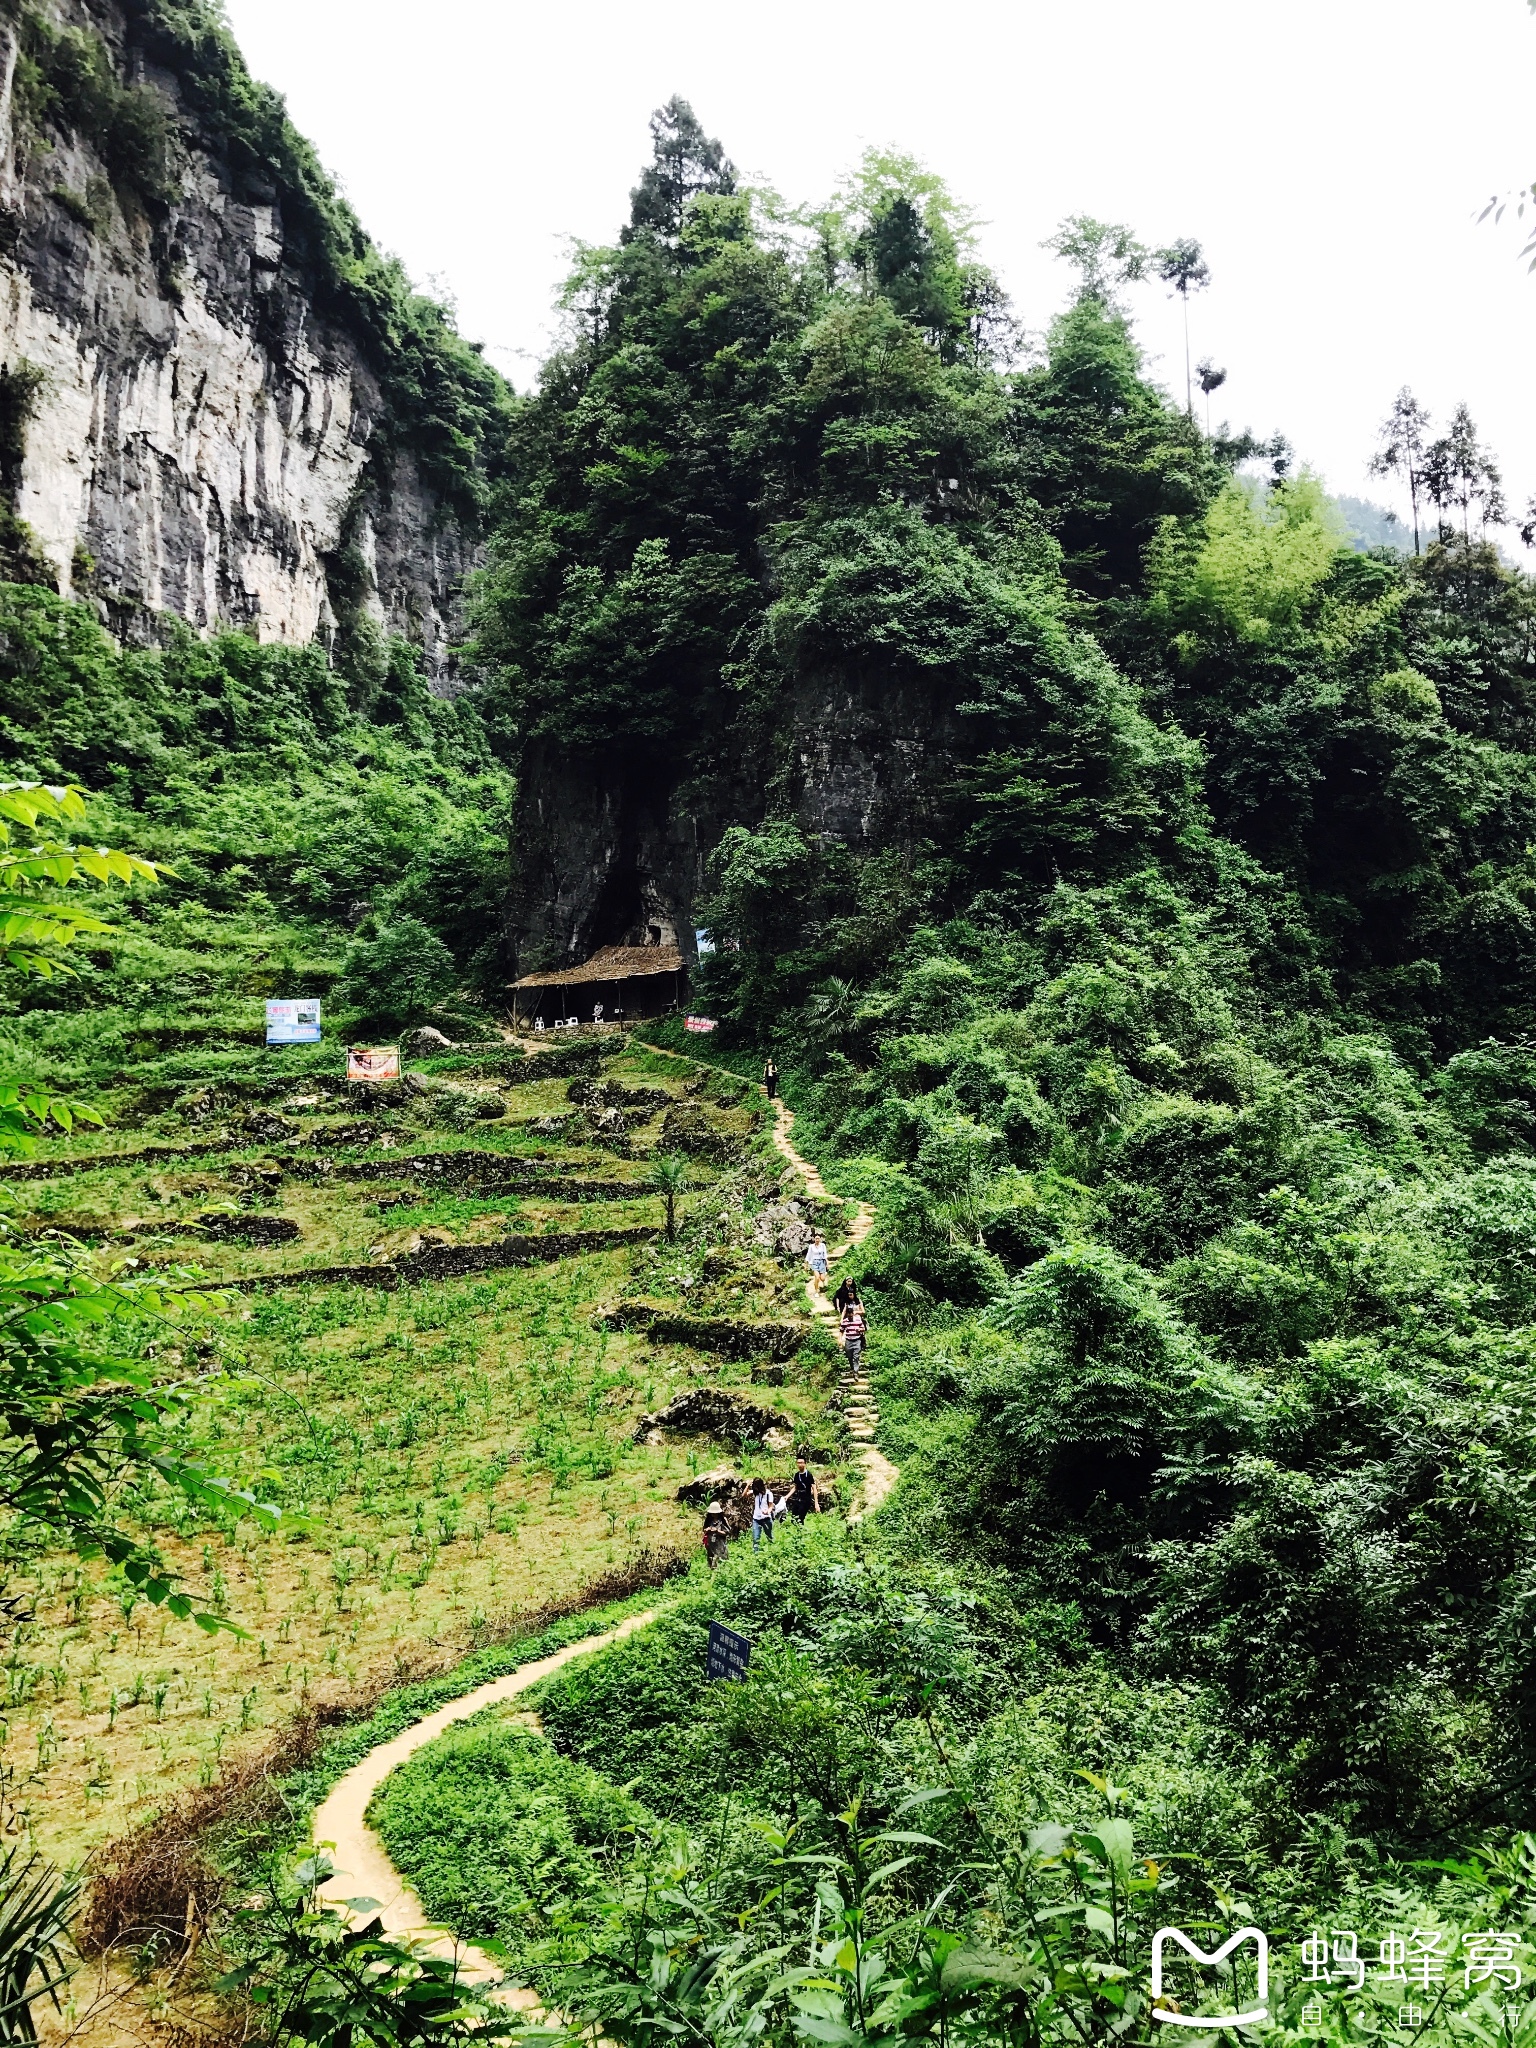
294 1023
729 1653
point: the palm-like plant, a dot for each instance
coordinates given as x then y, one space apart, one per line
832 1010
36 1908
669 1177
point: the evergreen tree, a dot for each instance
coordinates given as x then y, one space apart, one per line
685 162
1459 472
1403 447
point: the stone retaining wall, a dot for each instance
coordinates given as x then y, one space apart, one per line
728 1336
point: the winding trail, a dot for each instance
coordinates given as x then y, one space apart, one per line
863 1223
363 1870
880 1475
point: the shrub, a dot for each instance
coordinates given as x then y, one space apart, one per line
400 972
497 1831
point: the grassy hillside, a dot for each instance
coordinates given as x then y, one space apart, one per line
1180 1034
1180 1037
446 1453
354 851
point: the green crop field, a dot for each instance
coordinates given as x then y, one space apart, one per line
445 1454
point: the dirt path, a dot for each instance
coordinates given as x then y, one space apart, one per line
880 1475
363 1870
863 1223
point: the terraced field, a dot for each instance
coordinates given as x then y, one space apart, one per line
439 1320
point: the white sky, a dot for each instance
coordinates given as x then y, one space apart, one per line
1331 155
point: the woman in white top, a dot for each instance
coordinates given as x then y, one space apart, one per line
763 1506
816 1259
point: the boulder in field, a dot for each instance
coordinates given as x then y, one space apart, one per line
425 1039
710 1411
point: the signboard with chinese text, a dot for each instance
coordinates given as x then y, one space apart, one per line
373 1062
294 1023
1395 1980
729 1653
699 1024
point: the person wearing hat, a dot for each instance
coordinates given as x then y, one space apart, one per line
716 1533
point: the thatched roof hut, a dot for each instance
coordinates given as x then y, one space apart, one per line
629 981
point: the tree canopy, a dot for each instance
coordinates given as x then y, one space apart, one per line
1181 1018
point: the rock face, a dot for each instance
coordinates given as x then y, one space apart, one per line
708 1411
195 435
611 854
782 1229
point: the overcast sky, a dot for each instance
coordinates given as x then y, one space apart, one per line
1331 155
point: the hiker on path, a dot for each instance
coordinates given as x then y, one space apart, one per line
804 1496
763 1505
771 1079
816 1259
853 1331
846 1293
716 1534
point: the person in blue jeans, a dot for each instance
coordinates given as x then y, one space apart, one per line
816 1259
763 1506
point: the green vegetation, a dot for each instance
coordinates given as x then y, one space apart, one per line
928 1801
497 1801
446 1455
1173 1008
80 1416
311 841
1175 1016
65 78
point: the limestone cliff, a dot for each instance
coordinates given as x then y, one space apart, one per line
614 849
196 414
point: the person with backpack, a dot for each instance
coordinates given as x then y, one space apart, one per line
853 1332
716 1534
804 1495
763 1505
